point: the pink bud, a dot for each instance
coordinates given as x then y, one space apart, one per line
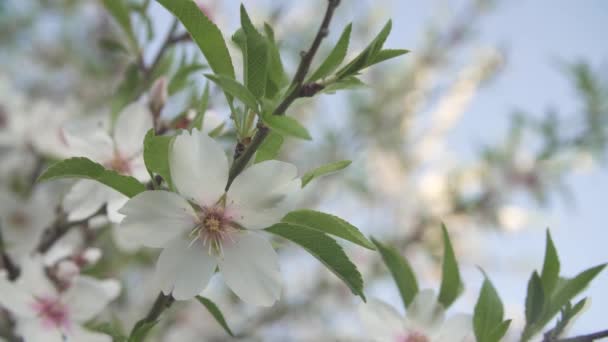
158 95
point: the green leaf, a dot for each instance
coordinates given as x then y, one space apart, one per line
366 56
569 288
205 33
197 122
387 54
326 250
329 224
499 331
324 170
235 89
568 313
286 126
551 266
80 167
179 80
451 283
141 330
270 147
276 73
401 271
345 83
119 10
335 57
156 155
128 90
111 329
256 57
488 313
535 299
216 313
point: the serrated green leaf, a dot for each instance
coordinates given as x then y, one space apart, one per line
276 73
499 331
451 283
551 266
141 330
179 80
535 299
367 55
156 155
335 57
197 122
401 271
256 57
329 224
270 147
80 167
326 250
216 313
350 82
204 33
286 126
119 10
569 288
488 315
387 54
324 170
235 89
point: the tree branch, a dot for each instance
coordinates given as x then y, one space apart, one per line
7 262
585 338
60 227
294 92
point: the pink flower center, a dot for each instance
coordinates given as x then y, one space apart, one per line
412 337
52 311
214 228
119 164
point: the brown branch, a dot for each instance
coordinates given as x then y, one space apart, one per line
60 227
294 92
585 338
7 262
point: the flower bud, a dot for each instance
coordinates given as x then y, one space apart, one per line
66 271
158 95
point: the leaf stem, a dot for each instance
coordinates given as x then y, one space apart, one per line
294 91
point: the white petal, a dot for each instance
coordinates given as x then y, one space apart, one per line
115 203
381 321
458 328
262 185
79 334
88 296
89 138
250 267
33 278
153 218
199 167
131 128
15 299
35 331
85 198
259 218
124 240
184 268
425 314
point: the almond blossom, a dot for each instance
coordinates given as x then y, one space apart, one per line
47 312
119 149
202 226
424 322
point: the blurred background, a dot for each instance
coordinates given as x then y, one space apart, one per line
496 123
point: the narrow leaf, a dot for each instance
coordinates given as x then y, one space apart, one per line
451 284
324 170
197 122
84 168
179 80
387 54
326 250
401 271
270 147
570 288
156 155
367 55
551 266
488 313
286 126
335 57
535 299
329 224
216 313
235 89
119 10
256 57
141 330
205 33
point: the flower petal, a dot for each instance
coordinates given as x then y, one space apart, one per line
78 333
250 267
458 328
15 299
184 268
131 128
35 331
262 185
153 218
85 198
199 167
33 278
115 203
89 138
425 313
381 320
88 296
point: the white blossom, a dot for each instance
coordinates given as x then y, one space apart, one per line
45 312
204 226
424 322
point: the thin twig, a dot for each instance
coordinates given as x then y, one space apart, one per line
9 265
60 227
585 338
170 39
294 92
